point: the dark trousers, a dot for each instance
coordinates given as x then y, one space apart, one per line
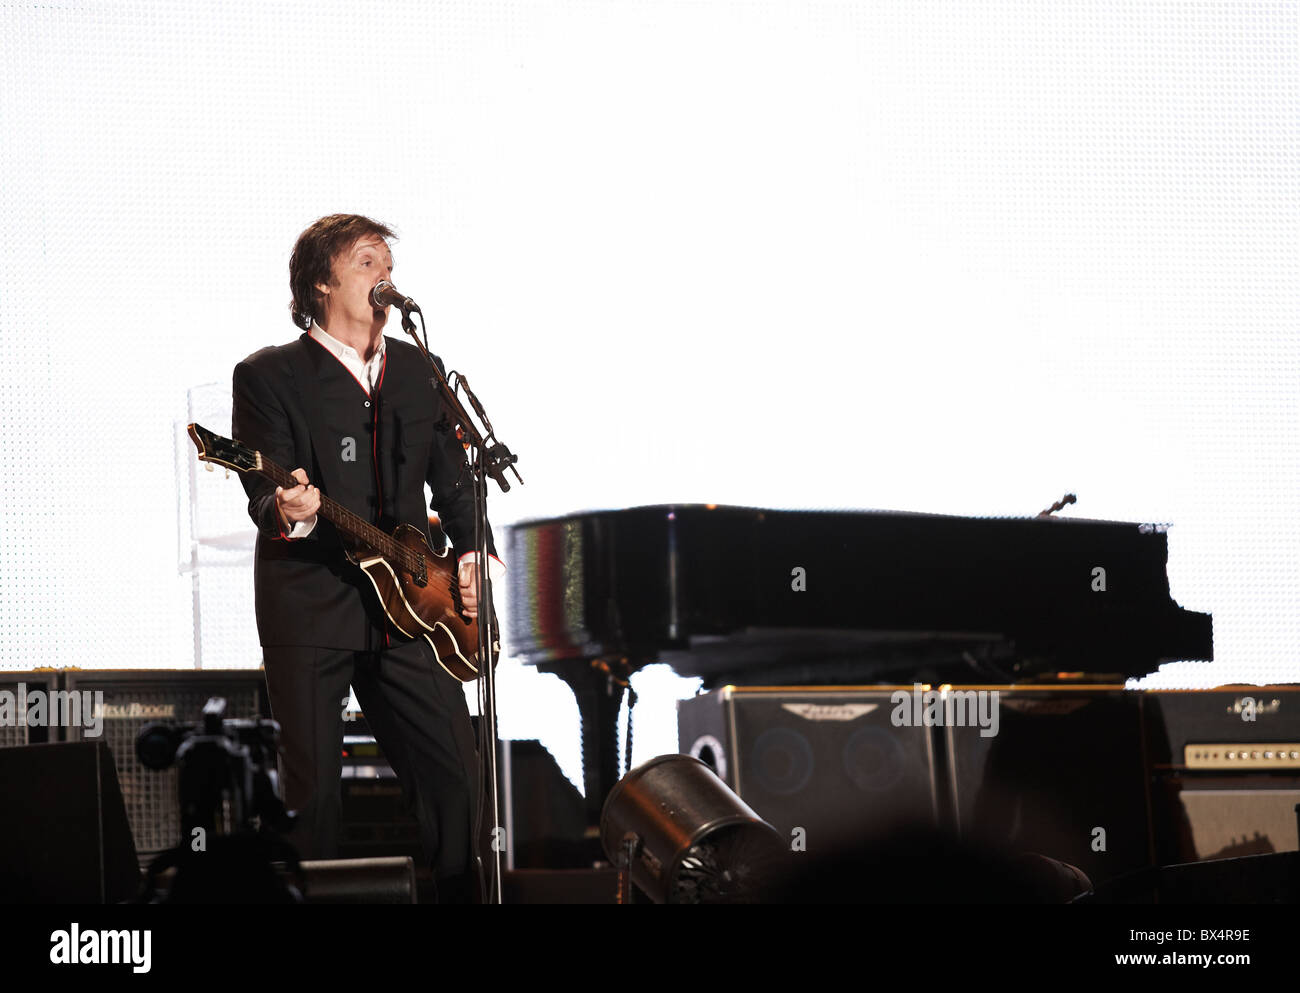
418 715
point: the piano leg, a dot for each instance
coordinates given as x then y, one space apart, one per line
599 692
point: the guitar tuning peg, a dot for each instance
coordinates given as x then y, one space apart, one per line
227 472
207 466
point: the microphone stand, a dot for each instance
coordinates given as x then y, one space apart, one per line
490 458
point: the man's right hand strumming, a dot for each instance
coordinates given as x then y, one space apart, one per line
300 503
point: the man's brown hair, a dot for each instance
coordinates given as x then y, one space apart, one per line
313 255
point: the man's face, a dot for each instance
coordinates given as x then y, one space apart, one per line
354 273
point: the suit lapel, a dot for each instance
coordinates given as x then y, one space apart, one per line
305 364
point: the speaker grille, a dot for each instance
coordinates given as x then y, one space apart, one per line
827 761
17 734
1227 823
783 761
133 700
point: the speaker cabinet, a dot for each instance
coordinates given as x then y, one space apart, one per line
827 760
543 813
1064 776
64 837
1225 771
20 686
1103 778
135 698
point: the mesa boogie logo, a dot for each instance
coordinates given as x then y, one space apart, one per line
139 711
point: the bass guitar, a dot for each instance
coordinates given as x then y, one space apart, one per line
417 587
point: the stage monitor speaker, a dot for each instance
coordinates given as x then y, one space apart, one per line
353 881
1247 879
64 837
1064 776
542 812
827 760
556 886
1225 771
137 697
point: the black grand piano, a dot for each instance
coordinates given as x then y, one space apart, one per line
789 597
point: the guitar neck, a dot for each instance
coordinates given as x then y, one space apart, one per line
349 523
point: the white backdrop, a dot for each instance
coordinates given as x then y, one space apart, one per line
992 251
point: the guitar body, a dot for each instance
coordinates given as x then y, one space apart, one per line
418 588
429 609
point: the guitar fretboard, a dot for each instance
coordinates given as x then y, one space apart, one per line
348 522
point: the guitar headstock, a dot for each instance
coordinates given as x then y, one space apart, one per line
223 451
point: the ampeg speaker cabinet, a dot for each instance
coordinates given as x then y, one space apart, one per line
1064 776
828 760
135 698
1225 771
64 836
17 692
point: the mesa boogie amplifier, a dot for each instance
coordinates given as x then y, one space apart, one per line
135 698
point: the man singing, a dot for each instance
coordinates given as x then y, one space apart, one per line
357 414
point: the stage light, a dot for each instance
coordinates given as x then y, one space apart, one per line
677 831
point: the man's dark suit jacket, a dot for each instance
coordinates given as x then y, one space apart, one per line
306 592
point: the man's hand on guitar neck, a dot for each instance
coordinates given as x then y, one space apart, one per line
297 505
468 573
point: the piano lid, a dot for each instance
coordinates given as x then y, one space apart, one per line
677 580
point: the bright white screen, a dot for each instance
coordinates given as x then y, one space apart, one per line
954 257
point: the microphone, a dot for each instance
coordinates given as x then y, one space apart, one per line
386 293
